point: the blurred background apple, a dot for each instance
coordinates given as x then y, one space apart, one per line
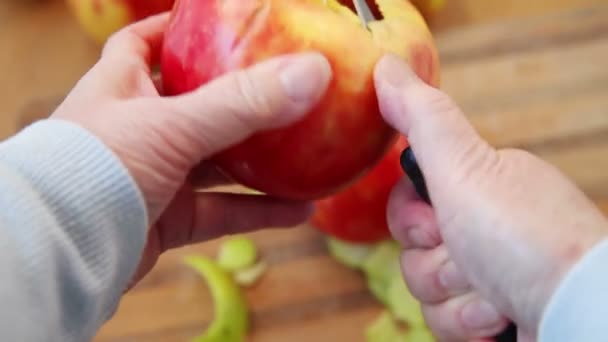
101 18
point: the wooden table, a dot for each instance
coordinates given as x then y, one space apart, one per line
529 74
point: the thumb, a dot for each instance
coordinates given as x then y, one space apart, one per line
271 94
445 144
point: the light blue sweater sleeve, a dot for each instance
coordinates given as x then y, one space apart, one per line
73 225
578 310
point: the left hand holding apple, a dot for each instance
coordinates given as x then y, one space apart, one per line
160 139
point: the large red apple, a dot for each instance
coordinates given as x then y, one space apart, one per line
344 136
101 18
358 214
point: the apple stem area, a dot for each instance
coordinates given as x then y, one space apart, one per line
372 12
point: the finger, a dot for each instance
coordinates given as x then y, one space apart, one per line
524 337
148 259
445 143
207 175
431 276
464 318
142 40
411 221
272 94
158 82
419 267
217 214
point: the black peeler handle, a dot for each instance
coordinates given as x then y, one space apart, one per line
410 166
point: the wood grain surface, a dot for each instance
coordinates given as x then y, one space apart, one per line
528 74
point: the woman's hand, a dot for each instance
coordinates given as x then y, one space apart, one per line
504 227
161 139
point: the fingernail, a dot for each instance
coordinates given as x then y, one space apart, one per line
391 76
452 279
305 77
479 315
394 72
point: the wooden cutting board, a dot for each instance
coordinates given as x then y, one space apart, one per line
539 83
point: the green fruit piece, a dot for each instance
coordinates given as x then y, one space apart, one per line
349 254
248 276
402 304
230 323
419 335
379 267
237 253
382 261
384 329
379 290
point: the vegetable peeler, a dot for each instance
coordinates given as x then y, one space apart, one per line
411 168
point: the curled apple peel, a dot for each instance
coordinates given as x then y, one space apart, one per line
344 135
231 320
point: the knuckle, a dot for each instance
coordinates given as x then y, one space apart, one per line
113 41
124 41
438 325
462 147
420 277
393 214
434 101
414 286
467 152
476 158
255 105
517 156
434 110
440 101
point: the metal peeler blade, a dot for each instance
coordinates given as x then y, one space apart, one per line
364 12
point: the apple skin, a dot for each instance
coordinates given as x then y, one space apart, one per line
340 139
358 214
101 18
428 8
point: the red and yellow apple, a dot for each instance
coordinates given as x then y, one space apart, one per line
429 8
341 138
101 18
358 214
